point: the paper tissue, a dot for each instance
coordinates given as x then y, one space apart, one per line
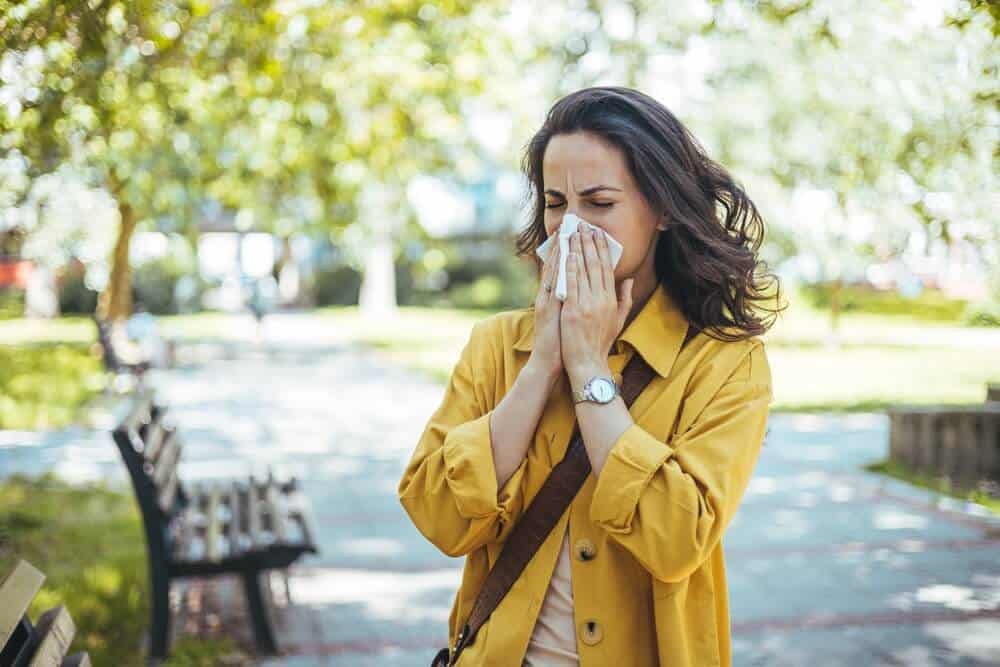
569 225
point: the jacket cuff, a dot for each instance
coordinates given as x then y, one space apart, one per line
469 471
633 460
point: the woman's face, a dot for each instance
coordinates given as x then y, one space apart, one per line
587 176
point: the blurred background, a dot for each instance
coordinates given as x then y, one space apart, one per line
288 210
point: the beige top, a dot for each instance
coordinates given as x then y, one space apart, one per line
553 641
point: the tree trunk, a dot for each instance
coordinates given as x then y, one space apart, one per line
116 299
380 213
378 284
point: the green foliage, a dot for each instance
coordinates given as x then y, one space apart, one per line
930 305
46 386
74 295
983 314
337 286
94 560
153 284
943 485
11 302
503 285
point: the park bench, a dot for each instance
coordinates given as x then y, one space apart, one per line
23 643
237 526
960 442
115 361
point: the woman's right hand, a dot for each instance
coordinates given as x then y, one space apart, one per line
546 352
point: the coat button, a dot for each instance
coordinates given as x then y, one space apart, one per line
591 632
585 549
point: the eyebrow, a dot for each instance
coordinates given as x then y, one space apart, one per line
584 193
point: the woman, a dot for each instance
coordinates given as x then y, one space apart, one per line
633 573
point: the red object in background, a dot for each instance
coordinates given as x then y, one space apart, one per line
15 272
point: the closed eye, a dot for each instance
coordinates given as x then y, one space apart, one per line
597 204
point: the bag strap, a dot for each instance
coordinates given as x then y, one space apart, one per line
545 510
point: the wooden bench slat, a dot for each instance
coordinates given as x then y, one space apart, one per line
168 493
153 439
167 461
253 513
185 526
276 513
56 629
213 529
16 591
81 659
235 519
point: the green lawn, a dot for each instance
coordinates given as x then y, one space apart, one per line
939 484
879 360
46 385
876 361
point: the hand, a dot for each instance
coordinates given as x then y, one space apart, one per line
594 313
545 351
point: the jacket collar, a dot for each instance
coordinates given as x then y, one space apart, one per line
656 332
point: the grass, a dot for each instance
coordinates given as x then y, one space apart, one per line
94 560
874 361
939 484
46 385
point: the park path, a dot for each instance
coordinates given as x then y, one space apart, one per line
827 564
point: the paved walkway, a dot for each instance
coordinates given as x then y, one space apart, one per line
827 565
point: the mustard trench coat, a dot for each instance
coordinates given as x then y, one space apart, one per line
652 587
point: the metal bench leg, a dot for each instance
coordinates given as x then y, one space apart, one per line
263 633
160 622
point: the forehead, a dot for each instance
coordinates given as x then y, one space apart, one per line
582 159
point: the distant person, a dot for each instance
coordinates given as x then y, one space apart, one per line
633 571
263 294
143 331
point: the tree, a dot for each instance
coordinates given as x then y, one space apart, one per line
279 110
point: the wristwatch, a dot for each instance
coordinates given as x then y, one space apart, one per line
598 389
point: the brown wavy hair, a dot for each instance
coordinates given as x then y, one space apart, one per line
706 257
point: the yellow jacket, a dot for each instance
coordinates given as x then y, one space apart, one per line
654 592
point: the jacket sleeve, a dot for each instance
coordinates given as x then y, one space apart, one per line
670 503
449 487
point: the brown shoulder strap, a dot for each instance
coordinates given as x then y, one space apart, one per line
545 509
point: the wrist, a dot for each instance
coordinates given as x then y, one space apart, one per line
578 375
536 368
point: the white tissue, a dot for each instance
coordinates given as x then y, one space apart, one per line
569 224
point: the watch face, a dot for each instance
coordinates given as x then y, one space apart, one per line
603 390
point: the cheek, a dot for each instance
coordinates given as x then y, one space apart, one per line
635 244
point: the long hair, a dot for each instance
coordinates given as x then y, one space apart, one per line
706 257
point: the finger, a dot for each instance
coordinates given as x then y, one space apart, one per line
572 274
607 271
582 281
547 263
550 266
593 262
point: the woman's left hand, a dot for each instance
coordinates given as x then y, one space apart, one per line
593 313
